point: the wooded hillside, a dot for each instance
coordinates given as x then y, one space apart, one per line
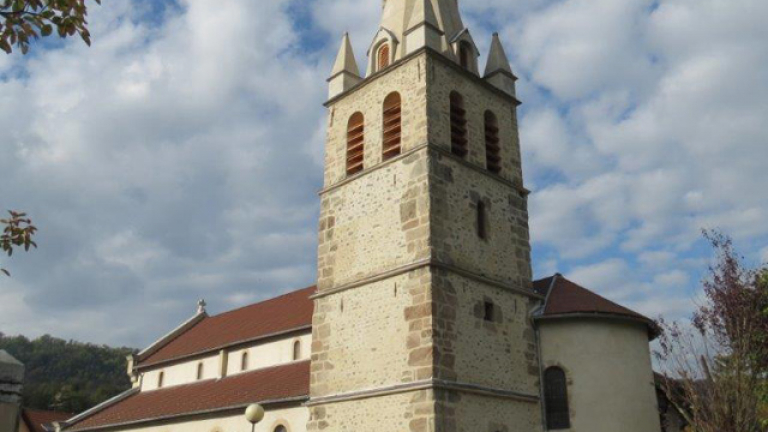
66 375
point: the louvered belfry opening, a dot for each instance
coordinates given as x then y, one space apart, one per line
458 126
383 58
356 144
492 148
392 127
556 399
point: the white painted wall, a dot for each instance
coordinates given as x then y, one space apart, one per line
269 354
608 368
260 355
182 373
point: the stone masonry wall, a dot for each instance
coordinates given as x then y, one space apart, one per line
462 412
403 412
499 354
373 336
377 220
444 78
456 188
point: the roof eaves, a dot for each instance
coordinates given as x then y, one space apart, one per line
195 413
552 286
100 407
173 334
652 326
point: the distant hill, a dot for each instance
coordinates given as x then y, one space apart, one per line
66 375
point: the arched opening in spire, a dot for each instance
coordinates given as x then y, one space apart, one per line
492 148
355 143
392 126
466 52
459 143
383 57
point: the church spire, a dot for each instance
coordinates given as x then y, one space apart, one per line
407 25
345 73
498 71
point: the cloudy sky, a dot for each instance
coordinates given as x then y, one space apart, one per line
179 157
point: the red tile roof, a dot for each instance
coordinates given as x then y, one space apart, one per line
289 381
35 419
565 297
288 312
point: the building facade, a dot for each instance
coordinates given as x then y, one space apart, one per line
425 316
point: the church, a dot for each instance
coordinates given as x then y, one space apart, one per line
425 316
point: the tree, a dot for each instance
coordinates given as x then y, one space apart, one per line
717 370
24 20
17 233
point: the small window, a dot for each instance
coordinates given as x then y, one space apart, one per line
556 399
489 312
244 361
281 428
458 126
465 54
383 56
492 149
297 350
200 371
355 143
392 136
482 221
160 379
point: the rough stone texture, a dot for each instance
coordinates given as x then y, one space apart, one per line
380 324
403 412
373 336
462 412
501 353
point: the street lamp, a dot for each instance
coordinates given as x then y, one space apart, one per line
254 414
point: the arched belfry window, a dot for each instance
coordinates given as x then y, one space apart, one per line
383 56
355 143
297 350
459 141
280 428
465 54
556 399
492 149
392 127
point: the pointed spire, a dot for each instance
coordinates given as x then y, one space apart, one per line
497 71
497 58
345 73
423 14
345 60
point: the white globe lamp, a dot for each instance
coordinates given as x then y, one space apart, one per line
254 414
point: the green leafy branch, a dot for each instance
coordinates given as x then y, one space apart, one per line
24 20
18 233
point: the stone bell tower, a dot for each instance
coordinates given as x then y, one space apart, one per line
424 277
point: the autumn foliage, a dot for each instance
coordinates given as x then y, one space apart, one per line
716 369
21 21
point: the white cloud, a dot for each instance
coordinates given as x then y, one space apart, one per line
180 158
672 279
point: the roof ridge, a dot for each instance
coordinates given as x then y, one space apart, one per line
262 301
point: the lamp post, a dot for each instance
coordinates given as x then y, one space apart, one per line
254 414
